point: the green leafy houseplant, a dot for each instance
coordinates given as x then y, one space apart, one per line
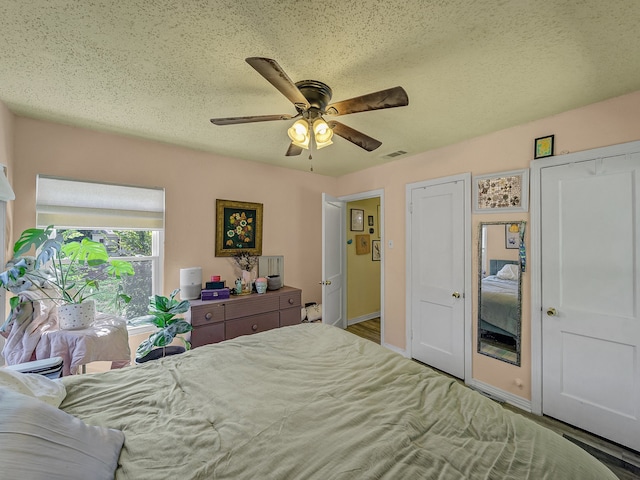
63 272
162 314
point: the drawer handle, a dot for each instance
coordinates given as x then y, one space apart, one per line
208 316
291 301
254 327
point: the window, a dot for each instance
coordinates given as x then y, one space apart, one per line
128 220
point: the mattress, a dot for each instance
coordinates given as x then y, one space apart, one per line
313 402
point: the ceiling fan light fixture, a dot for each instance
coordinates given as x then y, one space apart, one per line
299 133
322 133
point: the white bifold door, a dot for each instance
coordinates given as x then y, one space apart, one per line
590 225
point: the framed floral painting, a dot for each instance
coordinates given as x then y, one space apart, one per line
501 192
238 228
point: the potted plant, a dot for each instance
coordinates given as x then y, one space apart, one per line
163 313
65 273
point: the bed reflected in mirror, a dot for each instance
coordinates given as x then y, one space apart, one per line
500 290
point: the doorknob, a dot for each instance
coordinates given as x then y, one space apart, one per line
552 312
456 295
328 282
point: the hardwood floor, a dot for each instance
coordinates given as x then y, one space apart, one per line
623 462
369 329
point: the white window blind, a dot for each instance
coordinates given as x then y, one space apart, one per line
72 204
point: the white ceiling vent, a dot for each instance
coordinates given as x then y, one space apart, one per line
394 154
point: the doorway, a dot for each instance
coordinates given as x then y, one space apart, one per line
364 261
360 289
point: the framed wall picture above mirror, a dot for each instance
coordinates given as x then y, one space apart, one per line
501 192
500 290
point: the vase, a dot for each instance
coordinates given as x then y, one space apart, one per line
261 285
247 285
75 316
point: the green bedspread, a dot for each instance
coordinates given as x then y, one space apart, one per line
313 402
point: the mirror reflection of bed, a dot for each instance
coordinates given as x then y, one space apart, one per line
499 309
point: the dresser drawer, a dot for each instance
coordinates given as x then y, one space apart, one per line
290 316
252 324
207 334
290 299
251 305
207 313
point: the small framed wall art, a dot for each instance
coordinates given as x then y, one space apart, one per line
501 192
512 235
357 220
543 147
238 228
363 244
375 250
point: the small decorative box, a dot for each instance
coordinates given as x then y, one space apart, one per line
214 294
214 285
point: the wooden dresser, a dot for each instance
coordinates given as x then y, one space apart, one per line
217 320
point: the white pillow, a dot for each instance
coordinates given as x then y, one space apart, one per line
314 312
510 271
33 385
40 441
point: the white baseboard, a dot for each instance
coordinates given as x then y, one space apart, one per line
395 349
363 318
500 395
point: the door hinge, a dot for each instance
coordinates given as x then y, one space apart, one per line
411 208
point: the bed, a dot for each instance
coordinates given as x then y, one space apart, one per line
312 401
499 300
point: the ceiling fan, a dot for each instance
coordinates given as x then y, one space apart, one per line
311 100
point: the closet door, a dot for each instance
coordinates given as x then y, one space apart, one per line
437 282
590 225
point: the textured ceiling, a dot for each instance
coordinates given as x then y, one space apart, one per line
161 69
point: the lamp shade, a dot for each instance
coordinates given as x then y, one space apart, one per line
299 133
322 133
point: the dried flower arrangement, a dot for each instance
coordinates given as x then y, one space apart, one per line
245 261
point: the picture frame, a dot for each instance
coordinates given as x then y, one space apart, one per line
238 228
363 244
512 235
370 220
357 220
543 147
375 250
501 192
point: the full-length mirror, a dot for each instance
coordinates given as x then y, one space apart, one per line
501 256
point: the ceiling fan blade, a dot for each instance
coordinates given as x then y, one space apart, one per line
276 76
251 119
293 150
354 136
392 97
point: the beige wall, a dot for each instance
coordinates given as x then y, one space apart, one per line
6 157
601 124
192 180
363 274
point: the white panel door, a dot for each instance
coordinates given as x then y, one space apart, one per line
333 261
590 224
437 276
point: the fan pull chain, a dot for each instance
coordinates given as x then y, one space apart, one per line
311 162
